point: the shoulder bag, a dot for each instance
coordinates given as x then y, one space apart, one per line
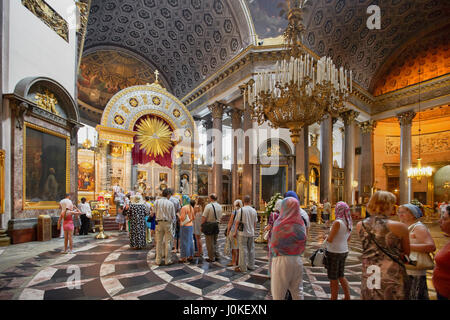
211 228
241 224
419 260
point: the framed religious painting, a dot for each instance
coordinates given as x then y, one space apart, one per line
46 167
86 180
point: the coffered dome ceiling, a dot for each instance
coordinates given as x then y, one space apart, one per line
186 40
190 40
337 28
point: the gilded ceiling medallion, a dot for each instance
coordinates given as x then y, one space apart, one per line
119 119
133 102
154 136
176 113
187 133
156 101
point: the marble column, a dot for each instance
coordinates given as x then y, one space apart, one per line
367 167
405 120
247 167
207 124
217 115
326 159
236 124
349 175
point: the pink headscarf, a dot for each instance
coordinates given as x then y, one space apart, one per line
342 211
288 234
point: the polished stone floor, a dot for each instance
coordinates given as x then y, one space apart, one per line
109 269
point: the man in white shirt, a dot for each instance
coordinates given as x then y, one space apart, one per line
248 216
64 204
165 215
212 213
85 216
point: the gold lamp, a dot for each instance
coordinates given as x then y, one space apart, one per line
419 171
300 91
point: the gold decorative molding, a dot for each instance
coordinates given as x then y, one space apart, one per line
49 16
367 126
115 135
406 117
47 101
436 142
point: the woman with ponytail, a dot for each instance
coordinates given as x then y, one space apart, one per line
337 250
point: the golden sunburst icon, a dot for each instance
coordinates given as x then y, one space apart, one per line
154 136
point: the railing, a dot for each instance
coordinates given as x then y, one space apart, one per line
227 208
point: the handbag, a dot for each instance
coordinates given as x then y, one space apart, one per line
211 228
420 261
319 257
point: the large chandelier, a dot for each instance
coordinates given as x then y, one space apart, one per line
419 171
300 91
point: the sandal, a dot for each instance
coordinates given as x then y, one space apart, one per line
230 264
237 269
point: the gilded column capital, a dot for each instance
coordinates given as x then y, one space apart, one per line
236 115
217 109
406 118
349 116
367 126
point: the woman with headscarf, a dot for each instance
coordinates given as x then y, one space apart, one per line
186 217
303 213
337 250
287 243
272 218
232 240
136 216
420 240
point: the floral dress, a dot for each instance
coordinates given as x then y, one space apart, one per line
137 214
392 284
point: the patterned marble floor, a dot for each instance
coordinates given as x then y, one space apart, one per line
109 269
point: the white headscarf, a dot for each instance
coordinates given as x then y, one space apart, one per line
277 206
137 199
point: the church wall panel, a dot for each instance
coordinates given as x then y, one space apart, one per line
34 49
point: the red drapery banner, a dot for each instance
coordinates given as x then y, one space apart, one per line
141 157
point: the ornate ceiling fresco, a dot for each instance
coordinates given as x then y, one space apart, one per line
430 54
104 73
187 40
267 17
337 28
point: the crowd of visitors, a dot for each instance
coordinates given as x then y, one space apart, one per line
395 254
